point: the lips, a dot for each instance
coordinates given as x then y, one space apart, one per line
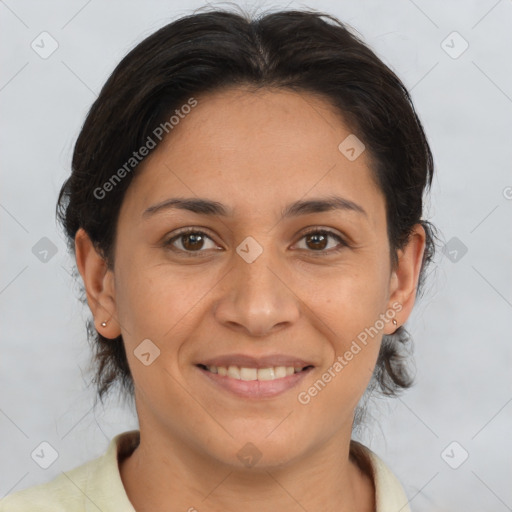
255 377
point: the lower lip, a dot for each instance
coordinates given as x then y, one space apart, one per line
255 388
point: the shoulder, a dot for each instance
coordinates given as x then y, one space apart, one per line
94 485
63 493
389 493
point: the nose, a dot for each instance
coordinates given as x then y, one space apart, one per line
257 298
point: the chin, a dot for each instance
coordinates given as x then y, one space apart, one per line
262 447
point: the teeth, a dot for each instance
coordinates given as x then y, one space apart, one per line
234 372
266 374
280 372
243 373
248 373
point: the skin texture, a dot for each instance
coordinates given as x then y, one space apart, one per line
255 153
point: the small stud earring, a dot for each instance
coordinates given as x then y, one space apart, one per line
394 321
103 324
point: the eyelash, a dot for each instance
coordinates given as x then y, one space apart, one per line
320 253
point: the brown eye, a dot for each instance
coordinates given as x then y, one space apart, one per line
318 241
191 241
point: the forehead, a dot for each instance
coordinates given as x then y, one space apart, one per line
253 150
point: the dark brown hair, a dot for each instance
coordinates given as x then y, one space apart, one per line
204 52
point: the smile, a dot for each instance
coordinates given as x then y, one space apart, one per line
254 383
248 374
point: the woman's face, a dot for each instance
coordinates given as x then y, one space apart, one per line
251 288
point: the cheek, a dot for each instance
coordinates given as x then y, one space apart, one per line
347 307
158 301
347 299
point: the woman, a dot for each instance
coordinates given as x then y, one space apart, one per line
245 209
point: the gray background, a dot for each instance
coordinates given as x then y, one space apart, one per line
461 326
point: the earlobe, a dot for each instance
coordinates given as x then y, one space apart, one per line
99 285
405 277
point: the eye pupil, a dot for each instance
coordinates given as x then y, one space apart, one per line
196 238
316 236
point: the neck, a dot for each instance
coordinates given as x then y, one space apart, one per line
163 472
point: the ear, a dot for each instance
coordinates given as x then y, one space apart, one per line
404 279
99 285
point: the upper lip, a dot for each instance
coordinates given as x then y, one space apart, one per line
246 361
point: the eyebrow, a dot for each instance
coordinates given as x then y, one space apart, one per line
214 208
